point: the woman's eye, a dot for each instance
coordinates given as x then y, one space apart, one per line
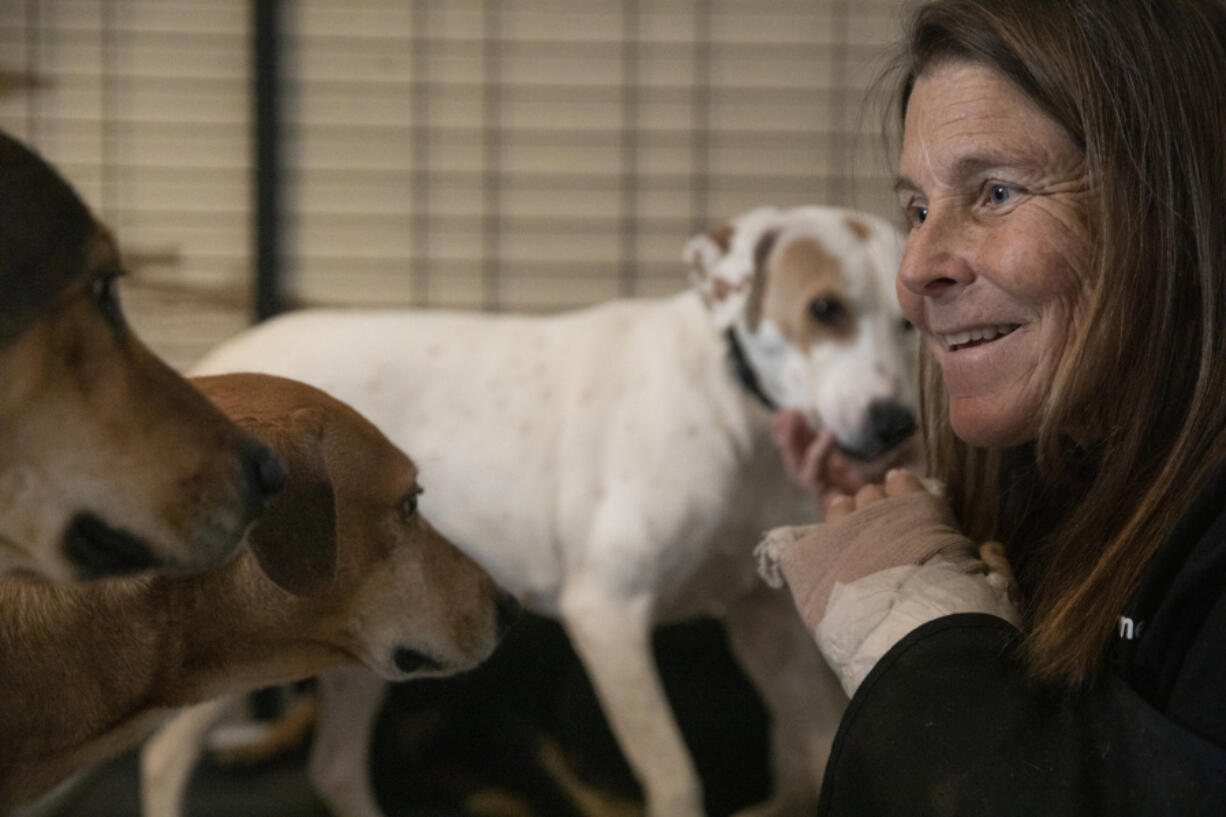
103 291
916 215
999 193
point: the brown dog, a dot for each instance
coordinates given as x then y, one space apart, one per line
86 670
109 461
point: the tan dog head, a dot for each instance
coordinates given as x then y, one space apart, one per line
346 533
809 294
109 461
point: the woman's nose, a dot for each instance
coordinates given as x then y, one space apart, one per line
935 259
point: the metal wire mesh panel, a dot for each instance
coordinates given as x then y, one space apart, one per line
144 107
538 154
497 154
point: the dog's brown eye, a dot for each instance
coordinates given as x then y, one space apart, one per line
907 326
105 295
827 311
408 505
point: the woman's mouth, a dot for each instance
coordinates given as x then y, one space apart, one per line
975 337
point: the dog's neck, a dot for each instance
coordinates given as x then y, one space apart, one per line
241 631
127 651
97 646
744 370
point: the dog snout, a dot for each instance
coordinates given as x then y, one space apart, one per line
890 424
507 610
264 473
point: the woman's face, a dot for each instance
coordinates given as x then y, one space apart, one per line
995 268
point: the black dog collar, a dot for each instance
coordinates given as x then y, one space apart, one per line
745 371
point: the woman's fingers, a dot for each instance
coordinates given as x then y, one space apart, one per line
900 481
868 495
813 461
838 507
791 437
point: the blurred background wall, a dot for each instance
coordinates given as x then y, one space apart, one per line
525 155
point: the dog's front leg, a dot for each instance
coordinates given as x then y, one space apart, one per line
800 692
339 766
168 757
612 636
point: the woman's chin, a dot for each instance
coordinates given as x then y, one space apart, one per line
980 423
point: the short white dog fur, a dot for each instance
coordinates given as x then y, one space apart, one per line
609 467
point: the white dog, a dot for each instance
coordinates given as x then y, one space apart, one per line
614 467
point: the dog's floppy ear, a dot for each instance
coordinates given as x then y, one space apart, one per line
723 263
294 540
703 252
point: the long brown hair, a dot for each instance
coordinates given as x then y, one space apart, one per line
1140 86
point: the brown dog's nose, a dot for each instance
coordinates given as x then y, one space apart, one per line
264 470
263 476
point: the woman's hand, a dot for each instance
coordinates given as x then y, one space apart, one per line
813 461
862 535
885 561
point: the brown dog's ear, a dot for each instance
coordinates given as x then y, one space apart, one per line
294 540
44 228
757 290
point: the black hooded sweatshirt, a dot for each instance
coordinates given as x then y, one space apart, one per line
948 722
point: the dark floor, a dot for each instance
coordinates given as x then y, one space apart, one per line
485 730
276 788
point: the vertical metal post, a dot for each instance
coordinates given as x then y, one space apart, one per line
33 32
491 220
629 218
838 146
267 171
419 155
700 133
110 112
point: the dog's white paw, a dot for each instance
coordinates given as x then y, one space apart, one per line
770 550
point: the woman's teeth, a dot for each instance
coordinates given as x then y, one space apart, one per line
975 336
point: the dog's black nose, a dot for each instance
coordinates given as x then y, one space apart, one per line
507 611
890 424
407 660
264 469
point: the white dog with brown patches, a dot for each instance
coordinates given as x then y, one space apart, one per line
614 466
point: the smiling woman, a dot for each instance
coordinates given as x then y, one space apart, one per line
1061 170
995 268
